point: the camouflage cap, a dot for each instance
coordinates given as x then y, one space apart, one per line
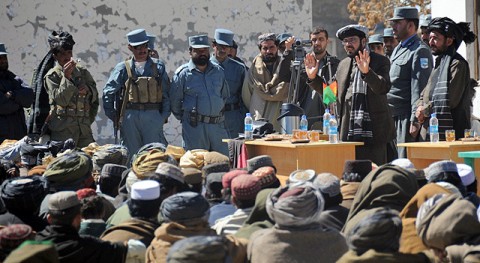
115 154
68 171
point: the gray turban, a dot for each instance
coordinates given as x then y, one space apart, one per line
379 230
185 208
297 205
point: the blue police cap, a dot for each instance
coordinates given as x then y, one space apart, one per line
375 39
388 32
3 51
404 12
425 20
224 37
198 41
151 41
137 37
283 37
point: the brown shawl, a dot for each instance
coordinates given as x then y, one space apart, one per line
169 233
451 221
132 229
388 186
409 241
264 92
301 245
348 190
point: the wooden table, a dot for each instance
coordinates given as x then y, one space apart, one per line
422 154
319 156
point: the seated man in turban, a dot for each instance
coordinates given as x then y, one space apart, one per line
297 235
376 238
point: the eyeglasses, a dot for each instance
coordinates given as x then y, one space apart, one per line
141 46
351 40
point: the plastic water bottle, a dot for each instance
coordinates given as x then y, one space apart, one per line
333 130
326 121
304 123
434 136
248 128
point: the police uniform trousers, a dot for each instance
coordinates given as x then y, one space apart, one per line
205 136
402 124
141 127
234 122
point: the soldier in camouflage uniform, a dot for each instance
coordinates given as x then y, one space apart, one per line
72 93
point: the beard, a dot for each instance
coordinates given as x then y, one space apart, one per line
355 52
269 58
201 60
318 50
4 66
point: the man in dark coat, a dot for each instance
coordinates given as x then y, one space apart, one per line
311 99
64 218
14 96
363 82
448 92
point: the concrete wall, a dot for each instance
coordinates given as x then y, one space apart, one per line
99 28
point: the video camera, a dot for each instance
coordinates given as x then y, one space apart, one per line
299 50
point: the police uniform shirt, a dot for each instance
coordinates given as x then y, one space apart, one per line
207 91
119 76
409 73
234 74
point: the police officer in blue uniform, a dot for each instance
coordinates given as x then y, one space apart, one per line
199 92
144 85
411 66
234 74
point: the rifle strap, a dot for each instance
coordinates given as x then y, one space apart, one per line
126 92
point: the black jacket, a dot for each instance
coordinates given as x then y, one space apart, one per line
12 116
74 248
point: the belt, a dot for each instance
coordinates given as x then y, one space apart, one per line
232 106
144 106
210 119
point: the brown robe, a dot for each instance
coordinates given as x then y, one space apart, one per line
132 229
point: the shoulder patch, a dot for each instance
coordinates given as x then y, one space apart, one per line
424 63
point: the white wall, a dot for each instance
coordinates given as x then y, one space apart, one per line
99 28
460 11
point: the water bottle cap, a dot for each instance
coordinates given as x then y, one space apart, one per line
248 114
327 110
304 117
434 115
